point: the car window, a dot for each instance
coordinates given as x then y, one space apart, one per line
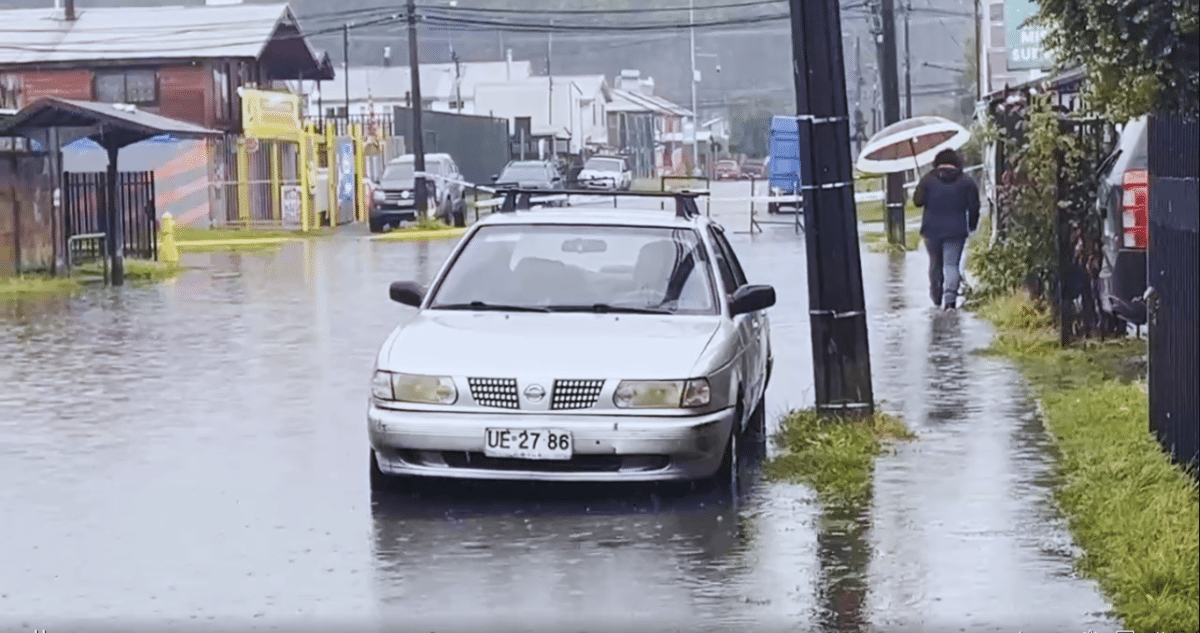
604 164
525 171
553 266
726 248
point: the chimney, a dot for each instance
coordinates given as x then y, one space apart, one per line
69 10
387 56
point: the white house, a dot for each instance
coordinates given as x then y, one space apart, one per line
572 108
378 89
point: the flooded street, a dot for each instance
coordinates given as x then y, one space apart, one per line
195 452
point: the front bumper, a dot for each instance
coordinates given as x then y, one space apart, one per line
607 448
598 185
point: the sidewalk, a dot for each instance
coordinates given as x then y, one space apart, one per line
965 534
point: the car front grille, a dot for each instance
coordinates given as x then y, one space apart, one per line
575 394
494 392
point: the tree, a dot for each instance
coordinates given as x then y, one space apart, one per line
1140 55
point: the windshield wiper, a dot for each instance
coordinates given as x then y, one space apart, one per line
496 307
604 307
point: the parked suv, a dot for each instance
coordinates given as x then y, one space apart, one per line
1123 202
394 199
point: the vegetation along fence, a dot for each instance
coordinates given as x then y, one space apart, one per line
1173 266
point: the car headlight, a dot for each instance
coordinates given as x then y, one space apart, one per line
379 195
662 394
387 385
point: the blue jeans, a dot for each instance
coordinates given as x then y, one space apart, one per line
945 257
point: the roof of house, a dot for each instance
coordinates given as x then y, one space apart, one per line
628 101
119 124
589 85
113 34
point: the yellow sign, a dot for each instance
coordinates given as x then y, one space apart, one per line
272 116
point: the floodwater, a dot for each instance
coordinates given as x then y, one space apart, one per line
194 454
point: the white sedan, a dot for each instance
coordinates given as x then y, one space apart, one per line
589 345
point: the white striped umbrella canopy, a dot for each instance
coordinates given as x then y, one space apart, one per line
910 144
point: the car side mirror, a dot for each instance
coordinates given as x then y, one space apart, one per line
410 293
749 299
495 177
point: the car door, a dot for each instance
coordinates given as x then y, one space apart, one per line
744 324
755 324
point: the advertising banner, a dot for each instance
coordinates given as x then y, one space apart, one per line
1025 51
269 115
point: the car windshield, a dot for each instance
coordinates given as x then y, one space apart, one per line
603 164
398 172
517 173
580 268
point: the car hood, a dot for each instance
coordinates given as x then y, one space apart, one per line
560 345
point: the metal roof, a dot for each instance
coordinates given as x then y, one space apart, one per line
119 125
42 36
629 101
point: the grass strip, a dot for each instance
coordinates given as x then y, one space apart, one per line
877 242
1132 511
137 271
834 455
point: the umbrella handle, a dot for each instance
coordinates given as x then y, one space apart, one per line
913 147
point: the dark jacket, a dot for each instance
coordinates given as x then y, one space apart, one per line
951 202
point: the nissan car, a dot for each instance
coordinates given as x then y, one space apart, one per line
591 345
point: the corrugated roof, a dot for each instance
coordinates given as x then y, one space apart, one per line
628 101
32 36
383 83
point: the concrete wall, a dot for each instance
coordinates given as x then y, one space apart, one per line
27 224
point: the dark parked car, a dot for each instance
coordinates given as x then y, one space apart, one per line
543 175
1123 203
394 200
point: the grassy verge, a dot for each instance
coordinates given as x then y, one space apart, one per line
872 211
877 242
1134 513
835 456
136 271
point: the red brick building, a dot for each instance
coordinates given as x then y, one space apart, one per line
181 62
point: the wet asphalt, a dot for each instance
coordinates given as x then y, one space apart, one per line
194 454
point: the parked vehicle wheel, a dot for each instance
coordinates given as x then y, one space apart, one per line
772 208
756 426
383 482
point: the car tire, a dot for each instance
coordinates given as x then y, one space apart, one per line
756 426
383 482
772 208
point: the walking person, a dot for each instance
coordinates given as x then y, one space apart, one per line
950 199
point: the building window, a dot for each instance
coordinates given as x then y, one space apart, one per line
138 87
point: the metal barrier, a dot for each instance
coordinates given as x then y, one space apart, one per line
100 239
797 216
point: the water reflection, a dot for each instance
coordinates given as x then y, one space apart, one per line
844 553
561 557
945 370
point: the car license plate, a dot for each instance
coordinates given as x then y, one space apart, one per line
528 443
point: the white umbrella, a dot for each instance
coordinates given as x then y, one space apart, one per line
910 143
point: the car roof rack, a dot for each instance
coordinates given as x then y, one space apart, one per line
516 198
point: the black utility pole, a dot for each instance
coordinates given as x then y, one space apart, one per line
418 131
885 38
836 306
908 109
346 65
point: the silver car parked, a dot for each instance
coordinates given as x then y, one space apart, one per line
590 345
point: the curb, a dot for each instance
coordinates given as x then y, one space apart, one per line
254 241
418 236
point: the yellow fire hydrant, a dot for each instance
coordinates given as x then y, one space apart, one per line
168 252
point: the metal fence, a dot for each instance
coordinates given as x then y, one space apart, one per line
85 196
229 189
1173 265
479 144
